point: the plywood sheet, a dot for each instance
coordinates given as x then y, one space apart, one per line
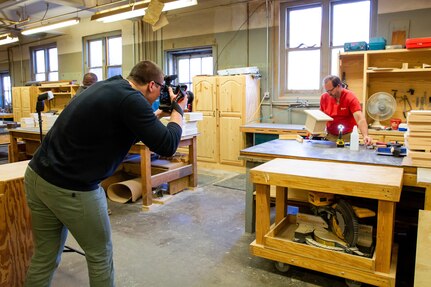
423 264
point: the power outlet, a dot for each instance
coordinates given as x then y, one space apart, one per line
266 95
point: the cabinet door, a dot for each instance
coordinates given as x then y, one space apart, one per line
205 102
231 91
16 103
231 140
25 101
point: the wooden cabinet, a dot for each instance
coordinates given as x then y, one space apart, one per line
62 95
23 102
227 102
370 72
24 99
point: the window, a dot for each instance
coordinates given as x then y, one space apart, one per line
5 89
44 61
189 63
312 36
103 55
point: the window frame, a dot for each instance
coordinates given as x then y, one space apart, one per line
48 70
173 57
3 75
104 37
313 96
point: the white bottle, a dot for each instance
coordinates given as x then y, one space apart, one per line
354 139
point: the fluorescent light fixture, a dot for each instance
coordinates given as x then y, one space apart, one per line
137 9
7 39
51 26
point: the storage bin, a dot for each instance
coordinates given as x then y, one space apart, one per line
377 43
414 43
355 46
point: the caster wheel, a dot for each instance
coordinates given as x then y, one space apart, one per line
353 283
282 267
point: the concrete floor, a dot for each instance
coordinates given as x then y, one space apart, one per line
196 239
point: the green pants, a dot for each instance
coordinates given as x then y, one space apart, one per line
56 210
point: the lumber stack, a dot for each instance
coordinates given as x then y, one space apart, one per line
190 122
418 137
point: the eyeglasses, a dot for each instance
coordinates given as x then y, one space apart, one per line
330 91
160 85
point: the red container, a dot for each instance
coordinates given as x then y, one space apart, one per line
395 123
415 43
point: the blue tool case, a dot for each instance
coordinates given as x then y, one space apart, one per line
377 43
355 46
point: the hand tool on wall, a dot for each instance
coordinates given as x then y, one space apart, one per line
395 93
406 101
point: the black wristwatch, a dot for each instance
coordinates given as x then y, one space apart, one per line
177 107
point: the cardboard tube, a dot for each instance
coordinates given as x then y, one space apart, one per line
116 177
125 191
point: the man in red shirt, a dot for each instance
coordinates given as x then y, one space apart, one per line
344 107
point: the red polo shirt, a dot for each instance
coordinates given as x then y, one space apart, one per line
342 113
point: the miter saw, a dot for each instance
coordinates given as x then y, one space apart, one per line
335 226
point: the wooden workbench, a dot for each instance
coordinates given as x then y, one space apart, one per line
31 138
16 239
256 133
149 181
6 116
275 241
292 149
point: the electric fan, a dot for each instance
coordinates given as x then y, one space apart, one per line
380 107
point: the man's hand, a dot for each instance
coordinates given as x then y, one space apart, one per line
368 140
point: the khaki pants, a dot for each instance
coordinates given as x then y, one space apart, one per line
56 210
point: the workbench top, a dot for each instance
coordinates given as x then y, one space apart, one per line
271 126
13 171
317 151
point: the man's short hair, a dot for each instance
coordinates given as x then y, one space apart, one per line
144 72
89 79
334 79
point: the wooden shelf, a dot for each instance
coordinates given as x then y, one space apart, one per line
419 70
364 82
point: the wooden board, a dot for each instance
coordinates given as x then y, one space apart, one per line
366 181
419 127
318 115
423 246
399 38
13 171
16 240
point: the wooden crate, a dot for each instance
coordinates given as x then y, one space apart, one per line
316 121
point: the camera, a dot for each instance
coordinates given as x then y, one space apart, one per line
165 98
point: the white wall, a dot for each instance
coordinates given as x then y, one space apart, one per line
391 6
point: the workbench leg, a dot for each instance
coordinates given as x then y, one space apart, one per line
250 206
427 203
384 235
147 191
13 149
280 203
262 212
193 178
